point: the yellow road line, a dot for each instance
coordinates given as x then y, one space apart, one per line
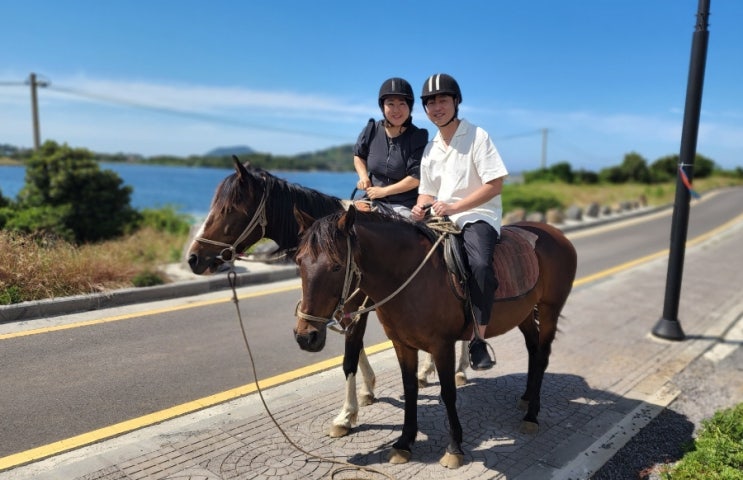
128 316
633 263
127 426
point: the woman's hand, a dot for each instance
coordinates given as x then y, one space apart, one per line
375 193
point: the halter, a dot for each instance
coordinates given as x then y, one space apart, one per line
258 219
333 322
351 270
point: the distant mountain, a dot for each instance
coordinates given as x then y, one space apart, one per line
227 151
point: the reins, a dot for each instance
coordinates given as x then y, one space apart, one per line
345 466
442 225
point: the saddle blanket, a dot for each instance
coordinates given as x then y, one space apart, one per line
515 262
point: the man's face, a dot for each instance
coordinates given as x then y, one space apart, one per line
440 109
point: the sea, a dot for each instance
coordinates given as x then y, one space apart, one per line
189 190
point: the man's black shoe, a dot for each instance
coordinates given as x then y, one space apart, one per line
479 356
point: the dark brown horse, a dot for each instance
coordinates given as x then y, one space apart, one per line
251 204
381 254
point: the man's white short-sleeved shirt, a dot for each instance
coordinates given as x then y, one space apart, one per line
452 172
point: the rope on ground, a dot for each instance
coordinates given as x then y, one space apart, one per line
345 466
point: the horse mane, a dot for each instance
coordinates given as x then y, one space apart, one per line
283 196
324 236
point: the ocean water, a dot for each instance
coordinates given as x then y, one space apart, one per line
187 189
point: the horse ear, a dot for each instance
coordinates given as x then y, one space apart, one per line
304 219
345 223
242 171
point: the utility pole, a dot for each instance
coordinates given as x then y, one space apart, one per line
544 149
35 108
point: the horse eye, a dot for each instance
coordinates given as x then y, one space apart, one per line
336 268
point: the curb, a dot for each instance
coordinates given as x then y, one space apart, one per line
272 273
127 296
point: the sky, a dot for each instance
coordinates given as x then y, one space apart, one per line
577 81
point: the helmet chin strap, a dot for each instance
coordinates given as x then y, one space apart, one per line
451 120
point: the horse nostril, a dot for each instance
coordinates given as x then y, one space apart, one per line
193 260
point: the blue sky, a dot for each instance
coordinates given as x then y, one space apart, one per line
182 77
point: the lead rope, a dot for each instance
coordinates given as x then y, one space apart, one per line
345 466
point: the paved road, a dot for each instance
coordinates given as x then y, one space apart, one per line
518 354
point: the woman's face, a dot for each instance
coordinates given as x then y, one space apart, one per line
440 109
396 110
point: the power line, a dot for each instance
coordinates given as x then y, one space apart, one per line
193 115
186 113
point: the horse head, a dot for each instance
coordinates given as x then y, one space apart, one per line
236 220
327 274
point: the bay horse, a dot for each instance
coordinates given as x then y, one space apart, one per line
398 265
252 204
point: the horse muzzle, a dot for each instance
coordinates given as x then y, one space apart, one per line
202 264
312 340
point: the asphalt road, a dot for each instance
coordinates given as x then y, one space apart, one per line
132 361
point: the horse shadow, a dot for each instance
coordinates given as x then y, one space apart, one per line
573 417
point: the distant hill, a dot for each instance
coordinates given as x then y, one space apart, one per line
228 151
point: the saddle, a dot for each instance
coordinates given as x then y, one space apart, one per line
514 260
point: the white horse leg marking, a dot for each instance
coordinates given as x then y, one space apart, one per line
349 413
464 362
427 367
368 378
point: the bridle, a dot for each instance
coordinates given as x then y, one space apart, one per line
334 321
258 219
352 269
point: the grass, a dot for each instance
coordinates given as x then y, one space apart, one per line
30 270
33 270
717 452
584 195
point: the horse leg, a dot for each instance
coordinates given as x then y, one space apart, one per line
369 380
462 364
425 369
539 330
454 456
353 356
407 357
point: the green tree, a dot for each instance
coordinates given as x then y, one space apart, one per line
66 186
666 168
635 168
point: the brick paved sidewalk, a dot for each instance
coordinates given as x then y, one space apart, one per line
608 377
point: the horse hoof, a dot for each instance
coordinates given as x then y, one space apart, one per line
460 379
399 456
422 383
522 404
452 460
337 431
366 400
529 427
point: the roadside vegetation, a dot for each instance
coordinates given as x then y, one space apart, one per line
71 229
716 453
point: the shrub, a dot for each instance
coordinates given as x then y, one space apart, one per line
147 279
531 200
68 185
166 219
717 451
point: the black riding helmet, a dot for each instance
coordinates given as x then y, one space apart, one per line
396 86
442 84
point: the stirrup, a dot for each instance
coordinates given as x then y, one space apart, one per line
491 358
